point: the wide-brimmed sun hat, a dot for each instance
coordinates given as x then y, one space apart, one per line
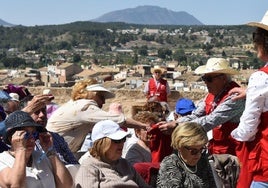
98 87
262 24
158 68
216 65
109 129
17 120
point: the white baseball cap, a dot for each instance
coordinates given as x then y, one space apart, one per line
109 129
14 97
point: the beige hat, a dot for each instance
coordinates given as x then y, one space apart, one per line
263 24
158 68
216 65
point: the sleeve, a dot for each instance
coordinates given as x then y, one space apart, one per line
168 89
256 96
146 88
87 177
138 179
198 112
168 176
63 149
133 155
228 110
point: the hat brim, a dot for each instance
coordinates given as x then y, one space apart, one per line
203 70
159 69
118 135
96 87
258 24
11 131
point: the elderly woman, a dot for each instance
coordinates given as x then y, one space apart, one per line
22 166
140 151
188 166
103 165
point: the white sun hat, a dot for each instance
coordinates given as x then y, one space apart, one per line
216 65
262 24
98 87
109 129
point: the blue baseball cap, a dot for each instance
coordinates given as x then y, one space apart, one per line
184 106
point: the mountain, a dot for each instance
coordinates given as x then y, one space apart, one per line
149 15
5 24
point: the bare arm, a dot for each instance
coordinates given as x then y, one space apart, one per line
131 123
38 102
61 174
15 176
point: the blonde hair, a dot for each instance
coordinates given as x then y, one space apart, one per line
100 148
79 89
188 134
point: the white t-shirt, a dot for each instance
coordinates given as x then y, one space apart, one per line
39 175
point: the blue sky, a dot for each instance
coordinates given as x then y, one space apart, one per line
209 12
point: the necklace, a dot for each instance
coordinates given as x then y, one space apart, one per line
186 166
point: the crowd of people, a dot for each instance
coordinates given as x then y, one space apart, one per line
78 144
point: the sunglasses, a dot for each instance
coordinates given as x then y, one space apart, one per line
194 151
34 135
119 141
157 72
210 78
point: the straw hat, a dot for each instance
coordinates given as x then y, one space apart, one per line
263 24
216 65
158 68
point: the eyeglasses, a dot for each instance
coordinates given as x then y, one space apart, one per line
157 72
195 151
119 141
210 78
34 135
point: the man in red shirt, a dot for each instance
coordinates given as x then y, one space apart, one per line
157 88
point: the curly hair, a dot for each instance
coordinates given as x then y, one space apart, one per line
146 117
188 134
100 148
79 91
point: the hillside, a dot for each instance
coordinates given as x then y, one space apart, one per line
149 15
5 24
